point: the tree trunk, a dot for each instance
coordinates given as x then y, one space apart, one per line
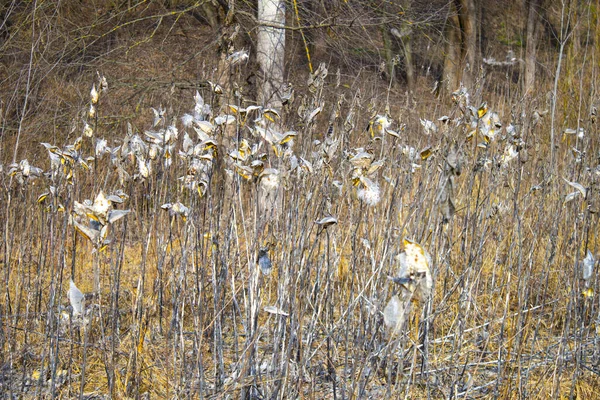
270 51
387 51
467 17
408 61
210 12
573 66
452 57
404 37
531 43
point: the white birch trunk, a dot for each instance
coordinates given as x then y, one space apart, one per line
270 51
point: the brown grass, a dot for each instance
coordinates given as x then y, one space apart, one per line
174 316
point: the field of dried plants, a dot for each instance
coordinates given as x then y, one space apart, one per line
175 304
352 244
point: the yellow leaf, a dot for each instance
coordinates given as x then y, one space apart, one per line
244 172
288 137
483 109
426 153
276 150
42 197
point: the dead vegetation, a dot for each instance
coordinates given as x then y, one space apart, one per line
329 185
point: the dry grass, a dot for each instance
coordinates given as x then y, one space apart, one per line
180 311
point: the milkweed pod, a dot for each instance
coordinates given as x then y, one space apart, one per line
76 298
